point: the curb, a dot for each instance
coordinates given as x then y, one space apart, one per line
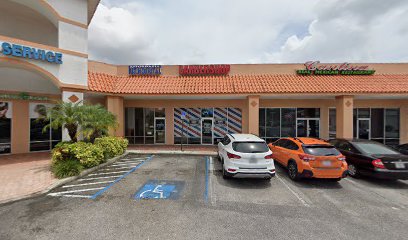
194 153
65 180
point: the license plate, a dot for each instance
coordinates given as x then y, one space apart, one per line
399 165
253 160
326 163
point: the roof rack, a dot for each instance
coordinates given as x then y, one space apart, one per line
297 139
231 135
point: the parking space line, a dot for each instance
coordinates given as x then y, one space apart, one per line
293 192
207 164
85 179
108 173
120 178
75 196
86 184
74 191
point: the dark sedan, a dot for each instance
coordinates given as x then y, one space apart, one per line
371 158
403 148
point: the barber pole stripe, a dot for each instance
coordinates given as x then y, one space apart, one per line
234 120
189 131
220 130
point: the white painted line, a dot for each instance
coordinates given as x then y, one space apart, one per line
85 179
86 184
293 192
74 191
97 174
125 164
132 160
119 168
71 195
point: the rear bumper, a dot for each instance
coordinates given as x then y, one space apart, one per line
251 175
314 173
239 170
386 174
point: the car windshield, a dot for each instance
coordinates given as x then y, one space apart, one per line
250 147
374 148
321 150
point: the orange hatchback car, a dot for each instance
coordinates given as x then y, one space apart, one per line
309 157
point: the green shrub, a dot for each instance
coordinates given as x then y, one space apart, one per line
112 146
67 168
87 154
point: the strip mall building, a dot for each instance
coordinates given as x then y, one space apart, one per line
44 58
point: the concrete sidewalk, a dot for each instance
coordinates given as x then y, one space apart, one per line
22 175
174 149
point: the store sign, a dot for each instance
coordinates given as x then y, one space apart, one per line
16 50
204 69
315 68
23 96
144 70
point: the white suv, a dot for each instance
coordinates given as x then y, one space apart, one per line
245 155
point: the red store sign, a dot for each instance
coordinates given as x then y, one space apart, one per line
204 69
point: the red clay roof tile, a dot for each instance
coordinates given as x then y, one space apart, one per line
247 84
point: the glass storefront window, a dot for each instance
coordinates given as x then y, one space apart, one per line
149 123
207 112
262 122
272 122
332 123
392 123
288 122
377 123
42 140
159 112
383 124
308 112
5 127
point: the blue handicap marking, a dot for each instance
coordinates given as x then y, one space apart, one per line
160 189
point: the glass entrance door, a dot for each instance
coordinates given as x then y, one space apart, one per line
207 131
159 130
363 128
308 128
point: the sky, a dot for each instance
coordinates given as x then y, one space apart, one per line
252 31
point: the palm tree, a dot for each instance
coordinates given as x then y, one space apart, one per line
67 115
96 121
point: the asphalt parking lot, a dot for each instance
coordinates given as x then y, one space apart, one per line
185 197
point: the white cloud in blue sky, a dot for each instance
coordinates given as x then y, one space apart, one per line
257 31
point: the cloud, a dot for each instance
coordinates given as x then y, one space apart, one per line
257 31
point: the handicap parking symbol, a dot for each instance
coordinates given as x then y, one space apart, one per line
155 189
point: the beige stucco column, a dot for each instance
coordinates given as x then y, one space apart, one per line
324 122
253 114
344 117
169 125
114 104
404 123
20 127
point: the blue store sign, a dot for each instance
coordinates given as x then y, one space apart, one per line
16 50
144 70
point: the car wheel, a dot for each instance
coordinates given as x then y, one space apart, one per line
267 178
293 171
353 171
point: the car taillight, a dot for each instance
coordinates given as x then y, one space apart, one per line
270 156
233 156
378 163
341 158
306 157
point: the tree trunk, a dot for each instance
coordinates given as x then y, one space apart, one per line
72 131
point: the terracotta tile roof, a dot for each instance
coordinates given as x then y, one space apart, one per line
248 84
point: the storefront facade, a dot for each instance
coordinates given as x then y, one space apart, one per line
193 104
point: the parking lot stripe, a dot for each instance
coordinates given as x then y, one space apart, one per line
85 179
207 164
120 178
74 191
86 184
293 192
97 174
75 196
